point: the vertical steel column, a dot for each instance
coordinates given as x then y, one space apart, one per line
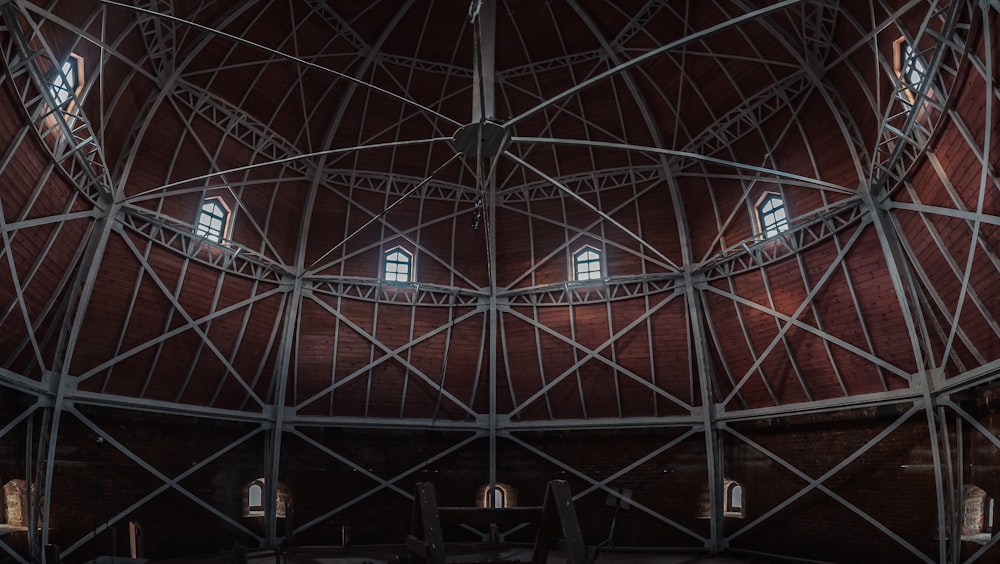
286 352
484 64
59 378
713 446
31 512
284 365
483 14
923 380
694 307
692 295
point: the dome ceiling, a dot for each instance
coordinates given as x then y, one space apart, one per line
493 142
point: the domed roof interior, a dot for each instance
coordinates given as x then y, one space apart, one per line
575 192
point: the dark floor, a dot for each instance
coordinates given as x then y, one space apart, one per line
387 555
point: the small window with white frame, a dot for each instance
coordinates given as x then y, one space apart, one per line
735 505
66 82
253 499
587 264
214 220
772 215
909 65
398 265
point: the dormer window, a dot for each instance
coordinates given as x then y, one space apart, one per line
587 264
66 82
911 69
398 265
214 220
772 217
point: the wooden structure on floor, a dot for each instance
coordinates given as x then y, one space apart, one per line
556 519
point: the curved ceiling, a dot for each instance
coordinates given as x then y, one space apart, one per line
494 141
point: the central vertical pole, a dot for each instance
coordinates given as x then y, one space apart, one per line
483 13
694 306
484 68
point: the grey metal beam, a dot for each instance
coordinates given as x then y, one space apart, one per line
859 401
168 484
391 354
588 232
691 38
922 380
598 484
813 182
817 483
171 482
605 216
594 354
386 483
240 40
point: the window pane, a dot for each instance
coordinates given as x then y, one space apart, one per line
913 69
587 265
498 496
397 266
772 216
63 82
737 498
212 221
255 497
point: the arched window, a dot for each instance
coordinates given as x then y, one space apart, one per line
253 499
15 497
498 496
977 514
734 500
772 217
587 264
214 220
398 265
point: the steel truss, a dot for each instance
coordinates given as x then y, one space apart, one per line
906 136
63 128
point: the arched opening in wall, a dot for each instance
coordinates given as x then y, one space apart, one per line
253 499
977 515
15 500
215 220
735 500
499 496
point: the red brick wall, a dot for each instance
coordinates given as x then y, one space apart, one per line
893 482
